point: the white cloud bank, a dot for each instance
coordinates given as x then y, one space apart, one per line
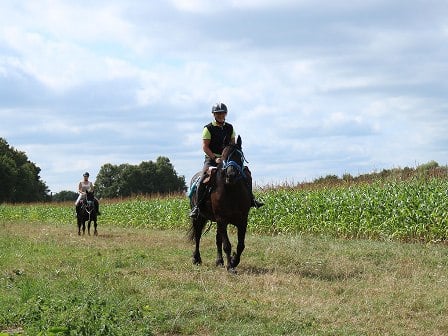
314 88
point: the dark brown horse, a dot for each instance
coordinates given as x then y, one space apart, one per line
86 211
228 203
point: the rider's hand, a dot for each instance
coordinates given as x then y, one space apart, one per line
218 160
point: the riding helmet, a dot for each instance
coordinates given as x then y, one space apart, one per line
219 108
86 174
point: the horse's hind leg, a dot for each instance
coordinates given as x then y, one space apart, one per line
198 225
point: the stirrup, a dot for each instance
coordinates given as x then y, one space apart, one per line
194 212
256 204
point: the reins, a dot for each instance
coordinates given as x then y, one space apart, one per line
208 229
89 204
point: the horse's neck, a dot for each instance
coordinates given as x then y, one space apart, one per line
237 187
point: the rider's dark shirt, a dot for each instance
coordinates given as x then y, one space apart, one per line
220 136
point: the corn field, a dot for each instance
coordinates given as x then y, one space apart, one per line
402 210
411 210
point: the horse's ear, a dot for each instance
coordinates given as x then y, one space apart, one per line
239 142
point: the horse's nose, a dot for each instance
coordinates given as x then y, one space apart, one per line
231 174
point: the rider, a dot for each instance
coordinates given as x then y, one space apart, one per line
83 186
215 136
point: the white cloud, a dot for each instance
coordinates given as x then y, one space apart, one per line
313 88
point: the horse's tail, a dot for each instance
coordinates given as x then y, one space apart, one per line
196 228
191 231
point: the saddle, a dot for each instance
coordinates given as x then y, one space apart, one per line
209 175
207 179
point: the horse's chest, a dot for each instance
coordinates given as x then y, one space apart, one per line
229 209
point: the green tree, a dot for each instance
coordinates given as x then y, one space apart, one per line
8 177
64 196
168 181
146 178
19 178
106 184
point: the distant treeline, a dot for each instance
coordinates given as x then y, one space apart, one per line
20 181
124 180
429 169
19 177
144 179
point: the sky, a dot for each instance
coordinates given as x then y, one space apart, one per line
314 88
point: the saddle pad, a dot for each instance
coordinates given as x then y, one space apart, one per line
193 187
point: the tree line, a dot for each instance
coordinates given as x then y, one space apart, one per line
20 180
146 178
19 177
124 180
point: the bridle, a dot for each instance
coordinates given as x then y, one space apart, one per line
89 205
239 167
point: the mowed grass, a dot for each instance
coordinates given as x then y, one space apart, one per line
140 281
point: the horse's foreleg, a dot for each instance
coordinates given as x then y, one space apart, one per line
235 260
219 259
88 226
79 227
95 232
227 247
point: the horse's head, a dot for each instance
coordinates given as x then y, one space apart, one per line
233 162
90 198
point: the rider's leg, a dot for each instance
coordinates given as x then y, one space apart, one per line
77 204
201 193
97 206
254 202
202 188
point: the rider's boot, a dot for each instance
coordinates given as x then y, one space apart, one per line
253 202
201 197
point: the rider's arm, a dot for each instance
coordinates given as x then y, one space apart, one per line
206 148
232 139
80 188
206 139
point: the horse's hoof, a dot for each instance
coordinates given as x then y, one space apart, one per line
232 270
220 262
197 261
96 233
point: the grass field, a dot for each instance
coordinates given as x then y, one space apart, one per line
131 281
341 259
